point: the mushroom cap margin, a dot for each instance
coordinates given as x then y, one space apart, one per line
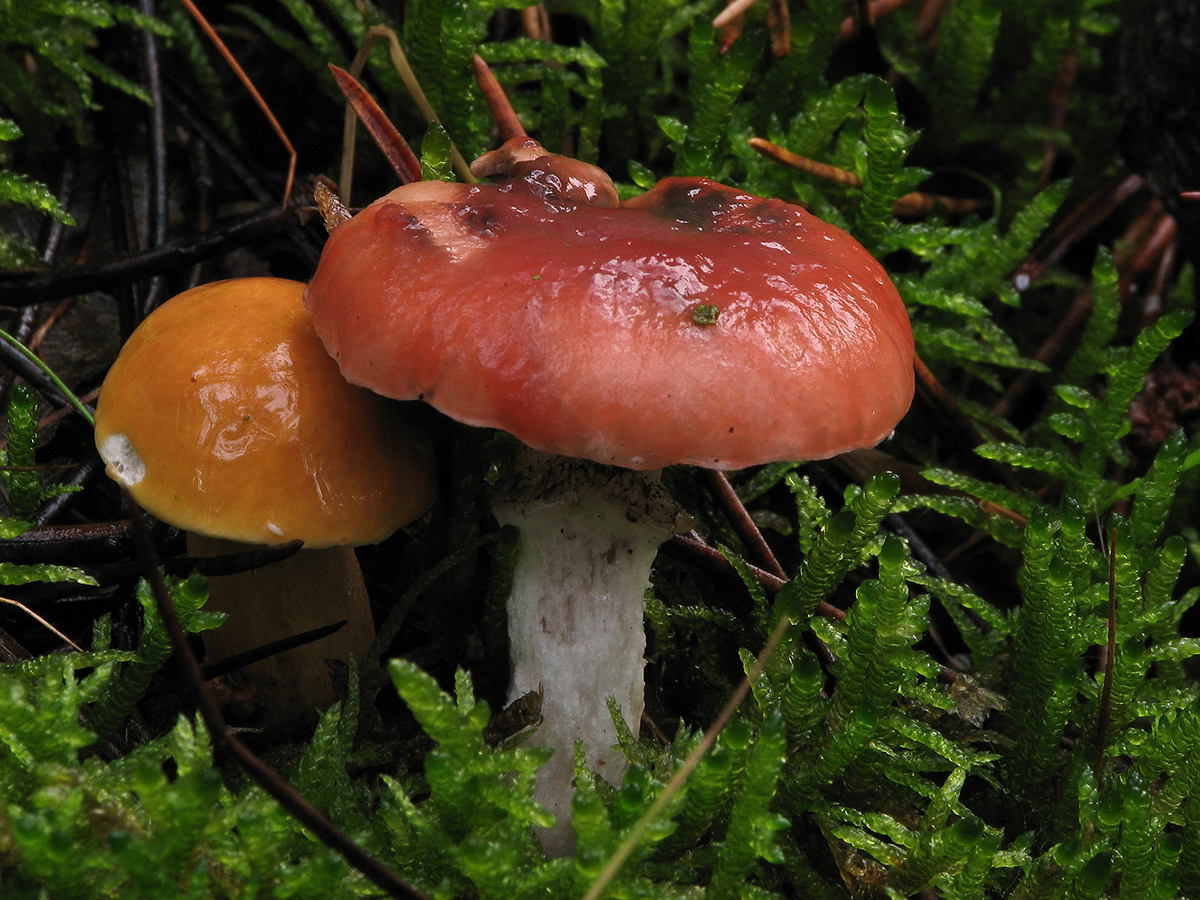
573 327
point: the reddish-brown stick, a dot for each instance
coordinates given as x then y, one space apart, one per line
395 148
502 111
249 85
913 203
1150 234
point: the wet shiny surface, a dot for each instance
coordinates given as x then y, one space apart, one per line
571 325
247 430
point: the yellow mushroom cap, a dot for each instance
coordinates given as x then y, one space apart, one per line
225 416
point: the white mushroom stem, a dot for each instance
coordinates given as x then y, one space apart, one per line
589 535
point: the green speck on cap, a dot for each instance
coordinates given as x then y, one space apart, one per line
705 314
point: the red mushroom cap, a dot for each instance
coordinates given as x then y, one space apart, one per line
694 324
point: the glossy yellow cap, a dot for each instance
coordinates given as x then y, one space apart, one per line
225 416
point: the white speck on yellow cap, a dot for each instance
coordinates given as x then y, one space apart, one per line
121 459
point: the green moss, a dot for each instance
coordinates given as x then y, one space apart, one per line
865 762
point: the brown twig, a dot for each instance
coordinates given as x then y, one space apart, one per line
35 341
392 144
41 621
739 517
535 23
1060 97
1148 236
502 110
1152 301
960 425
929 17
1145 257
943 401
1083 219
695 549
779 27
735 10
778 154
411 83
728 33
258 99
910 204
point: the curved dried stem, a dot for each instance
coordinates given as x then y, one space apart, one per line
41 621
390 141
908 205
262 104
803 164
409 77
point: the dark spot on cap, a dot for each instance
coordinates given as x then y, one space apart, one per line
480 220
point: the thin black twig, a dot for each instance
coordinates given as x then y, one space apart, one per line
55 506
249 657
287 796
22 333
11 650
211 136
25 288
22 365
244 560
89 543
